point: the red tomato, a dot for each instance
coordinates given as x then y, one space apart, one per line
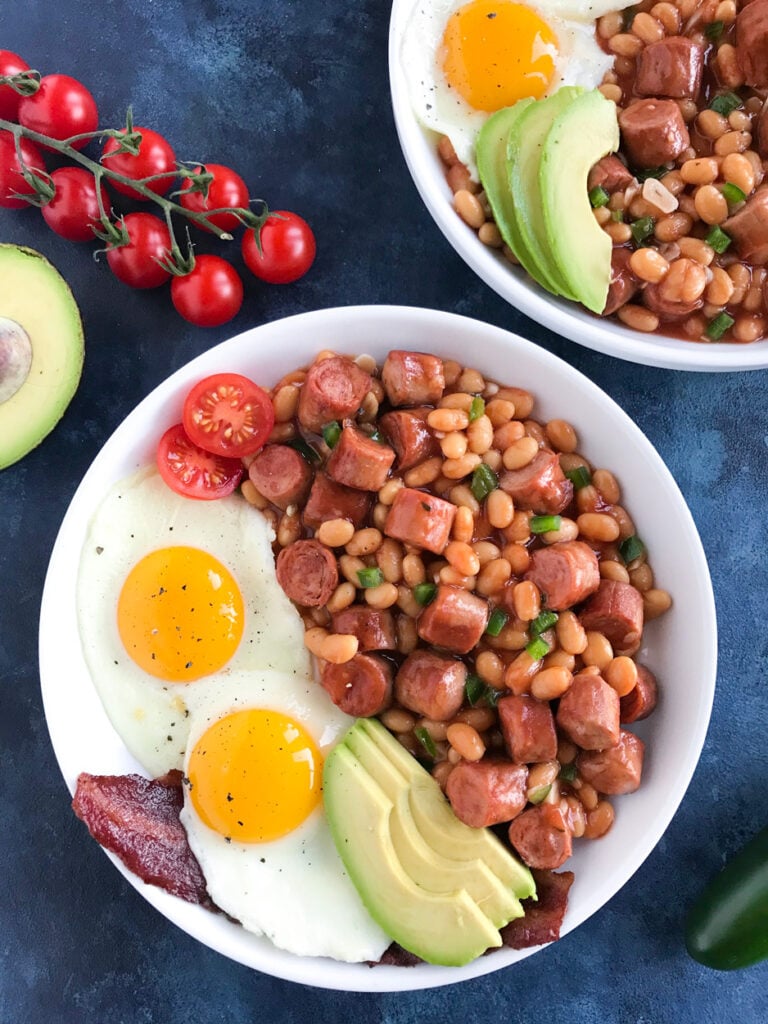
210 294
193 472
226 189
75 206
136 263
155 156
229 415
10 64
287 248
61 107
10 177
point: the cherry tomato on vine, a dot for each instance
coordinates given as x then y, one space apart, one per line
192 471
287 248
10 64
61 107
10 170
228 414
155 156
210 294
226 189
75 205
136 263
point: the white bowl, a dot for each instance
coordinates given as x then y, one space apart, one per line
512 283
680 647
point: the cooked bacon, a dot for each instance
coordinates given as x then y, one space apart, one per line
138 819
543 917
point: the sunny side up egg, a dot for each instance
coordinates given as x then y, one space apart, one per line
198 658
463 61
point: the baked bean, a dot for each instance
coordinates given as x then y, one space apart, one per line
621 674
381 597
710 204
641 578
425 473
507 434
711 124
464 527
609 25
574 814
451 372
493 576
461 495
342 597
492 459
542 774
389 558
741 277
286 402
252 495
364 542
561 436
453 578
519 530
611 92
598 526
471 381
669 16
536 431
398 720
568 530
338 648
413 570
380 513
688 109
571 635
738 169
610 570
732 142
726 12
518 556
685 282
486 551
625 521
447 420
625 45
509 639
407 603
748 328
469 208
522 400
566 751
672 227
728 67
599 820
369 408
407 634
607 484
447 154
441 772
457 469
282 432
648 264
701 171
490 668
481 719
520 453
598 651
655 603
499 411
647 28
602 215
437 730
456 400
520 672
289 529
454 445
461 556
350 566
480 435
551 683
638 318
559 659
587 499
618 231
499 509
389 490
526 600
697 250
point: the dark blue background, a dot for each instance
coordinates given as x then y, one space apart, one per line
295 96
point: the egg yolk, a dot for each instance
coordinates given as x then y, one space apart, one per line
496 52
180 614
254 775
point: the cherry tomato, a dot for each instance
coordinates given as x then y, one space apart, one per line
75 206
61 107
210 294
192 471
227 414
155 156
226 189
10 177
10 64
287 248
136 263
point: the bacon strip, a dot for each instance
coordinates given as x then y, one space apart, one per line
543 917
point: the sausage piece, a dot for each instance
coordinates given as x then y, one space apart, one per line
334 388
374 629
359 462
567 572
616 611
641 699
752 43
487 792
361 687
281 475
749 227
541 836
623 285
421 519
413 378
528 727
455 619
588 713
671 67
541 486
329 500
431 685
653 132
616 770
306 570
409 435
611 174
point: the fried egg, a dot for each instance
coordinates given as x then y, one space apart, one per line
464 60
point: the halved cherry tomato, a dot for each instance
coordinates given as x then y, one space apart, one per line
61 107
229 415
287 248
10 64
226 189
193 472
155 156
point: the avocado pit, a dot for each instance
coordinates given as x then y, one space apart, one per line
15 357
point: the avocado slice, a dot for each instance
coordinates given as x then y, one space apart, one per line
586 130
41 350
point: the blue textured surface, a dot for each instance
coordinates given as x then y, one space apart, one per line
295 96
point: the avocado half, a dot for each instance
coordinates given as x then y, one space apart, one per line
41 350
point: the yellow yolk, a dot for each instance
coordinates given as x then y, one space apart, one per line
254 776
180 614
496 52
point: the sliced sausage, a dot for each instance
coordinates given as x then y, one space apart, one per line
541 836
329 500
334 388
653 132
306 570
641 699
566 572
528 727
358 461
674 308
588 713
752 43
616 611
541 486
616 770
487 792
281 475
361 687
611 174
760 132
413 378
671 67
421 519
374 629
431 685
455 619
749 227
408 433
623 285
